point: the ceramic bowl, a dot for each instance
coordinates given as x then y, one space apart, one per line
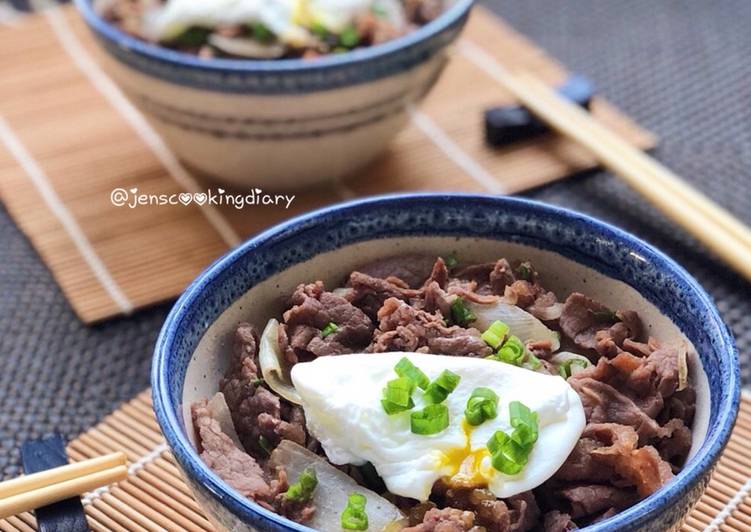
572 252
279 124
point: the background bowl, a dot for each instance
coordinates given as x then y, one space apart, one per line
278 124
572 252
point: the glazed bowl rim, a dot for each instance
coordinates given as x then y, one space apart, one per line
641 513
392 47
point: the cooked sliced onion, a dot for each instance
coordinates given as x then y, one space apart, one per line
552 312
244 47
564 356
682 367
334 486
521 323
219 411
270 358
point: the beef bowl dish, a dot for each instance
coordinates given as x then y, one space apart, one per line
445 363
280 94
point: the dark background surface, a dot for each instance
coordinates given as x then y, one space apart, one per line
681 67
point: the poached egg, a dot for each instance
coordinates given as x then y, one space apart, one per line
341 396
289 20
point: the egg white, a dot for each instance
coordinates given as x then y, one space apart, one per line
289 20
341 397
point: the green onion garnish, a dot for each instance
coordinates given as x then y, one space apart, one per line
509 454
482 405
405 368
265 444
261 32
605 316
566 369
354 516
512 351
430 420
532 362
451 260
496 334
302 490
438 390
525 423
192 37
397 396
349 37
460 313
524 271
330 328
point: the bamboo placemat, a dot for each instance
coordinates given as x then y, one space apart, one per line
68 138
155 497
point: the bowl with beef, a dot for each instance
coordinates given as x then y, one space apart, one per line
280 93
445 362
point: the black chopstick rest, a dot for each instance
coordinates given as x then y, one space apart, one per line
64 516
506 125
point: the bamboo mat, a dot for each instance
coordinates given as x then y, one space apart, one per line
67 139
155 498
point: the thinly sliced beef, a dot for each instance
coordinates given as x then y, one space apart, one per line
445 520
642 467
556 521
604 404
524 511
369 293
405 328
594 498
490 278
412 268
592 325
256 412
313 309
234 466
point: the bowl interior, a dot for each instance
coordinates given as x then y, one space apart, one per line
572 251
559 274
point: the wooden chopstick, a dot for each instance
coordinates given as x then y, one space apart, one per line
46 487
647 164
716 228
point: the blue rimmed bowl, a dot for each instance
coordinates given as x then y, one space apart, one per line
572 252
278 124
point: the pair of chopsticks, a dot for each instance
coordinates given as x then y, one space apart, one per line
33 491
708 222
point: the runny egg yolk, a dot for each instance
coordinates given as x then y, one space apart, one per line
464 464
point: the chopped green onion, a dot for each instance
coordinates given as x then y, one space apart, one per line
349 37
605 316
496 334
460 313
512 351
524 270
451 260
330 328
566 369
405 368
532 362
354 516
261 32
302 490
397 395
257 381
265 444
379 10
430 420
509 454
319 29
438 390
525 423
192 37
482 405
